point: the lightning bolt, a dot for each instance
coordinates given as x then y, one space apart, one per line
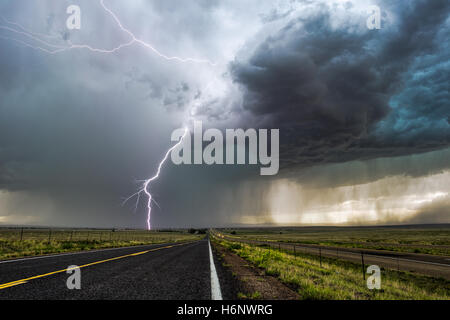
52 48
146 183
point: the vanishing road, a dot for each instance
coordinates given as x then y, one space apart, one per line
166 271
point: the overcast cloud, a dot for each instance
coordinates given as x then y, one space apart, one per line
355 107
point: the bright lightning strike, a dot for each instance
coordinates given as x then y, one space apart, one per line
51 48
54 49
147 182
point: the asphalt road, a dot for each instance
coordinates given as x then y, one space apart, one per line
167 272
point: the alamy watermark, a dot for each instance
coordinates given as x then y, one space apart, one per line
73 22
74 281
239 147
374 20
374 281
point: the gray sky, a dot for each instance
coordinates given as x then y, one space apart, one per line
363 114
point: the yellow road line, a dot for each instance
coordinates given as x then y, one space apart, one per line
4 286
22 281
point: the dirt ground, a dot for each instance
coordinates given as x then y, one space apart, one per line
251 282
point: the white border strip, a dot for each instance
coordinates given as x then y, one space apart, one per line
216 294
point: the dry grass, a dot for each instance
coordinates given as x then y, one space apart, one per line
338 280
15 243
429 240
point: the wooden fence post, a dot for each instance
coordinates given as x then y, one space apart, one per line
362 264
320 255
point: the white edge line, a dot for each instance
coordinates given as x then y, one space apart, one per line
216 294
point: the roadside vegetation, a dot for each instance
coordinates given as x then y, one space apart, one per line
414 239
20 242
333 279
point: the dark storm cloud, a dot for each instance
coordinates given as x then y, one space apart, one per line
78 127
361 172
345 93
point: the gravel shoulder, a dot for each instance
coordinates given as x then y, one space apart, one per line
245 281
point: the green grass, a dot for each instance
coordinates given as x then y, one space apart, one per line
417 239
253 296
338 280
14 243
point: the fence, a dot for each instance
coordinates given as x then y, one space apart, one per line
27 234
383 260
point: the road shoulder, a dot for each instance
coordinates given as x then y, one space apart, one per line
244 281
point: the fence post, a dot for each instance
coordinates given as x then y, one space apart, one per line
49 235
21 234
295 253
362 264
320 254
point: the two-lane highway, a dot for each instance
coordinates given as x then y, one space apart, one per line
166 271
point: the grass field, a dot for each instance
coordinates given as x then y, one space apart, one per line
20 242
335 279
417 239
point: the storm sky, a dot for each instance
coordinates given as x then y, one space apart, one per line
364 115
